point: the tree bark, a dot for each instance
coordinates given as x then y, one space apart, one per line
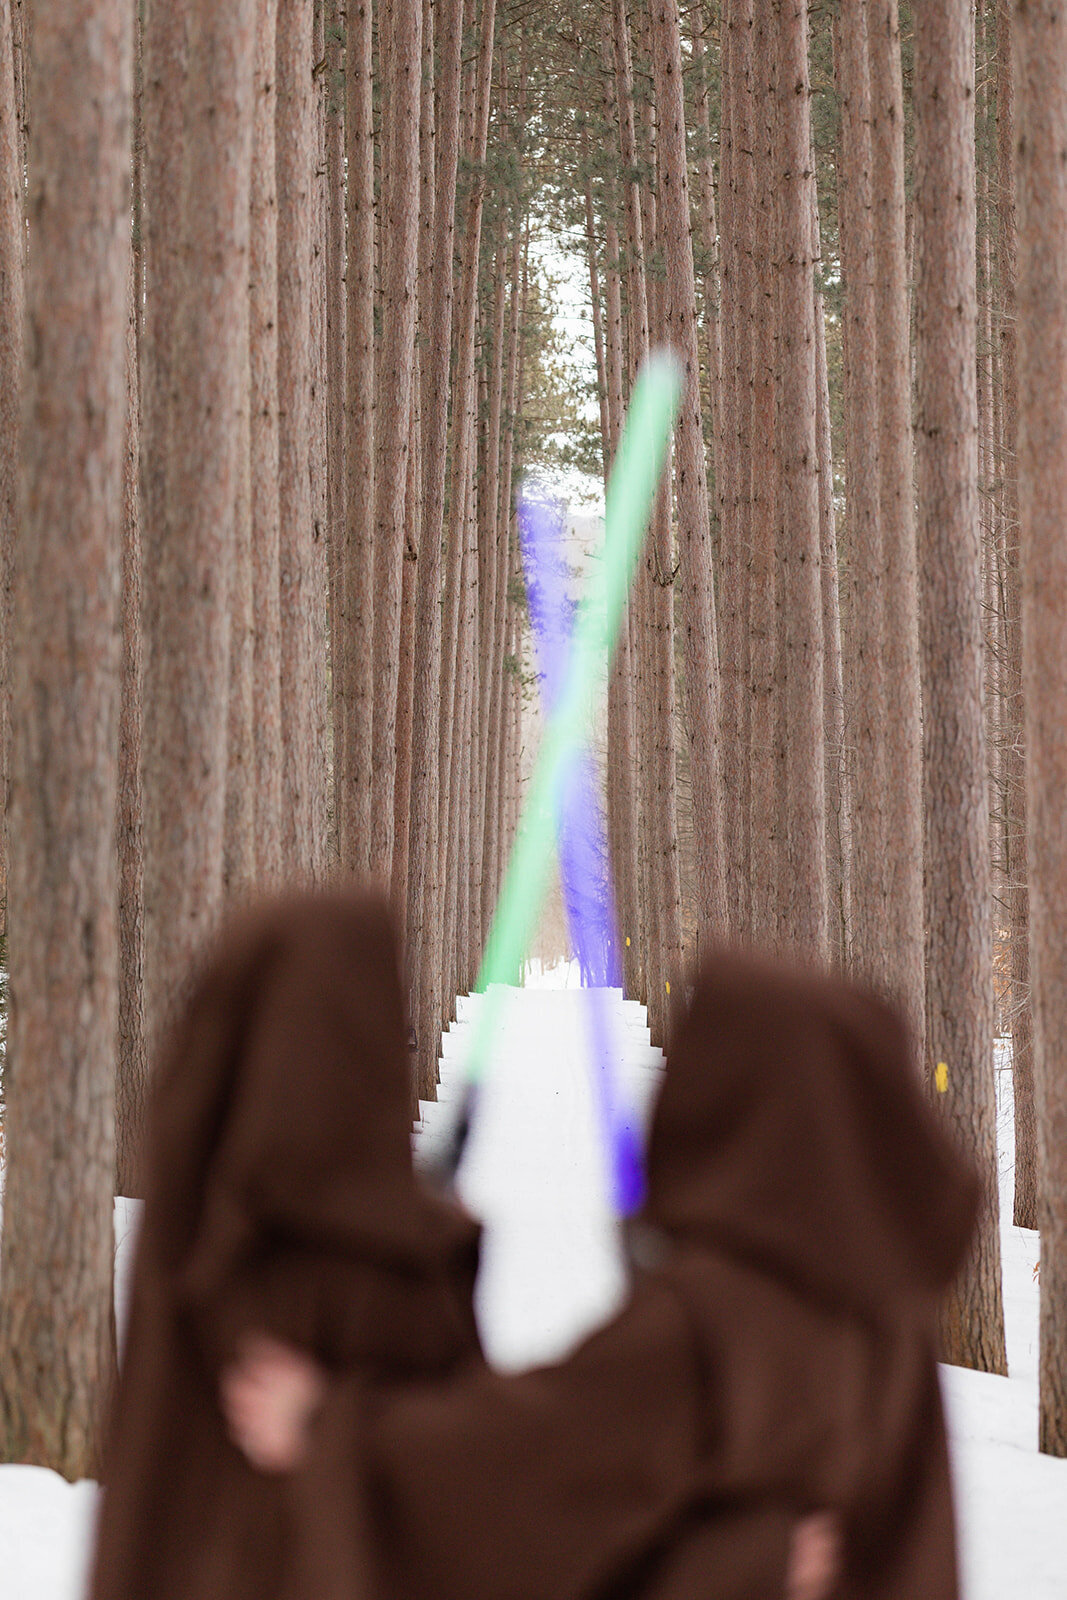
187 580
425 888
131 1080
335 385
702 695
295 157
902 924
865 666
1039 37
804 903
266 533
959 969
56 1327
1022 1027
353 790
11 314
393 417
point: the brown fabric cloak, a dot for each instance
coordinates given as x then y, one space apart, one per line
280 1198
807 1211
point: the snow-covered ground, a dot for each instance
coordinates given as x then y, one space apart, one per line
534 1171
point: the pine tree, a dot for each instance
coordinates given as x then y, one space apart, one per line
56 1348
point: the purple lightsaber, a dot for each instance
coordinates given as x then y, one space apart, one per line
582 844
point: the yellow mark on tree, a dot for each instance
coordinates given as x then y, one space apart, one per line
941 1077
668 987
627 941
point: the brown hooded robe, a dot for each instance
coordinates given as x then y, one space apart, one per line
778 1357
281 1199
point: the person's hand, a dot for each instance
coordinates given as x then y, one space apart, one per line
815 1558
268 1398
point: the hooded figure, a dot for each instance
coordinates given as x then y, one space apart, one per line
776 1358
280 1200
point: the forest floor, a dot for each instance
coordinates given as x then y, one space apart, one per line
552 1270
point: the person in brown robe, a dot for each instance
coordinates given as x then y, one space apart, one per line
776 1358
281 1202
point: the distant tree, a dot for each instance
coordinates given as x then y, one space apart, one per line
11 310
1014 741
902 924
1039 36
131 1080
295 156
864 642
697 591
401 100
263 373
56 1329
804 900
353 760
959 969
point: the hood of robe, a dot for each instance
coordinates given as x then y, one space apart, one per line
784 1092
286 1094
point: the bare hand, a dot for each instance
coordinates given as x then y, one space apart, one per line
269 1397
815 1558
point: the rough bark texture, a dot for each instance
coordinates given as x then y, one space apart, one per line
131 1079
747 382
425 897
56 1329
864 668
297 561
758 487
1040 49
11 312
804 901
353 786
239 838
959 971
266 592
680 331
1021 1015
455 703
393 419
335 383
187 578
838 821
902 924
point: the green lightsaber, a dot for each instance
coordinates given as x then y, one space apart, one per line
630 498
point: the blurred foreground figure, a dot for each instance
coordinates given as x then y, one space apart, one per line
281 1204
763 1418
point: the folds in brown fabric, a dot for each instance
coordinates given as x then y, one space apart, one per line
280 1198
778 1359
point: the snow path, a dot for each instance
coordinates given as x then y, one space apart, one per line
534 1171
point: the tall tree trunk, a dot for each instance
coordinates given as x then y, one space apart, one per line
805 901
838 830
865 667
757 481
353 788
239 837
902 924
296 168
745 383
455 732
266 534
959 970
321 786
187 581
393 418
56 1327
695 563
165 51
1022 1030
131 1080
1040 47
492 553
335 384
425 888
11 312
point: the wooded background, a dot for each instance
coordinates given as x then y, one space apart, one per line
276 345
